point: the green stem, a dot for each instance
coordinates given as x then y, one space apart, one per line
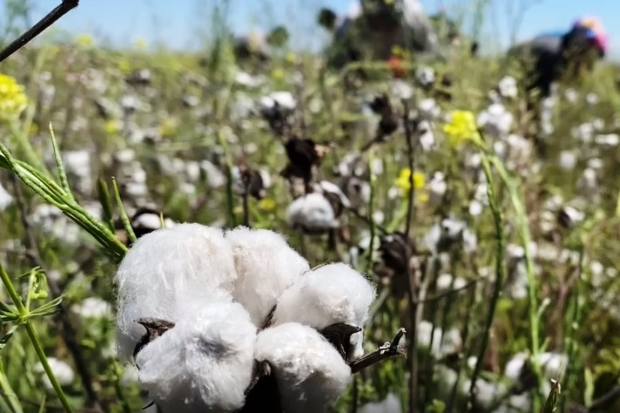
498 219
48 370
23 312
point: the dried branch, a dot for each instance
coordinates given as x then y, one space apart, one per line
386 351
37 29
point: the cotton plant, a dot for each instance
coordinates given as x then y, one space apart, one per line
496 120
226 320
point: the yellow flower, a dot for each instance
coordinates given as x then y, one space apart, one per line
13 100
291 58
111 127
461 128
85 40
124 66
267 205
405 175
168 127
277 74
140 44
397 51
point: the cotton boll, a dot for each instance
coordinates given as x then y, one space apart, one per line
507 87
312 212
166 270
204 363
429 109
63 372
310 373
266 266
333 293
496 120
391 404
93 307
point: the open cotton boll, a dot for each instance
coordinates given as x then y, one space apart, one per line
310 373
167 269
204 363
333 293
266 266
391 404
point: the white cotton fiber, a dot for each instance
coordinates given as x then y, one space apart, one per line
266 266
310 373
204 363
333 293
166 270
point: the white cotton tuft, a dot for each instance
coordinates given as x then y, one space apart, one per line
266 266
312 212
391 404
204 363
166 270
310 373
62 371
333 293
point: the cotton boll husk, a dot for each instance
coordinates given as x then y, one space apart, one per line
266 266
310 373
166 270
333 293
204 363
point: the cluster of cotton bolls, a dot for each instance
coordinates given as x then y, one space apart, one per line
220 305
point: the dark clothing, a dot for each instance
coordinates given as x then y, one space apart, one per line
552 57
543 57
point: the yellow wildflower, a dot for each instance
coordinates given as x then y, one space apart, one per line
168 127
461 128
140 44
124 66
13 100
111 127
291 57
403 180
85 40
267 205
277 74
398 51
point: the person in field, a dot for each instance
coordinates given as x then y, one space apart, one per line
371 29
562 56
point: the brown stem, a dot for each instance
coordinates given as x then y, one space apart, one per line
386 351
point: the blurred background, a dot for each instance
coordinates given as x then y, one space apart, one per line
185 25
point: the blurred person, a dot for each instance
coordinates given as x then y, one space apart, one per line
372 28
562 56
259 46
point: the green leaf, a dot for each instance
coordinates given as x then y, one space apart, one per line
130 234
64 182
106 203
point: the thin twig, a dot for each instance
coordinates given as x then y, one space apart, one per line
37 29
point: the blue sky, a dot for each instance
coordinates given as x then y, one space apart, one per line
176 23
